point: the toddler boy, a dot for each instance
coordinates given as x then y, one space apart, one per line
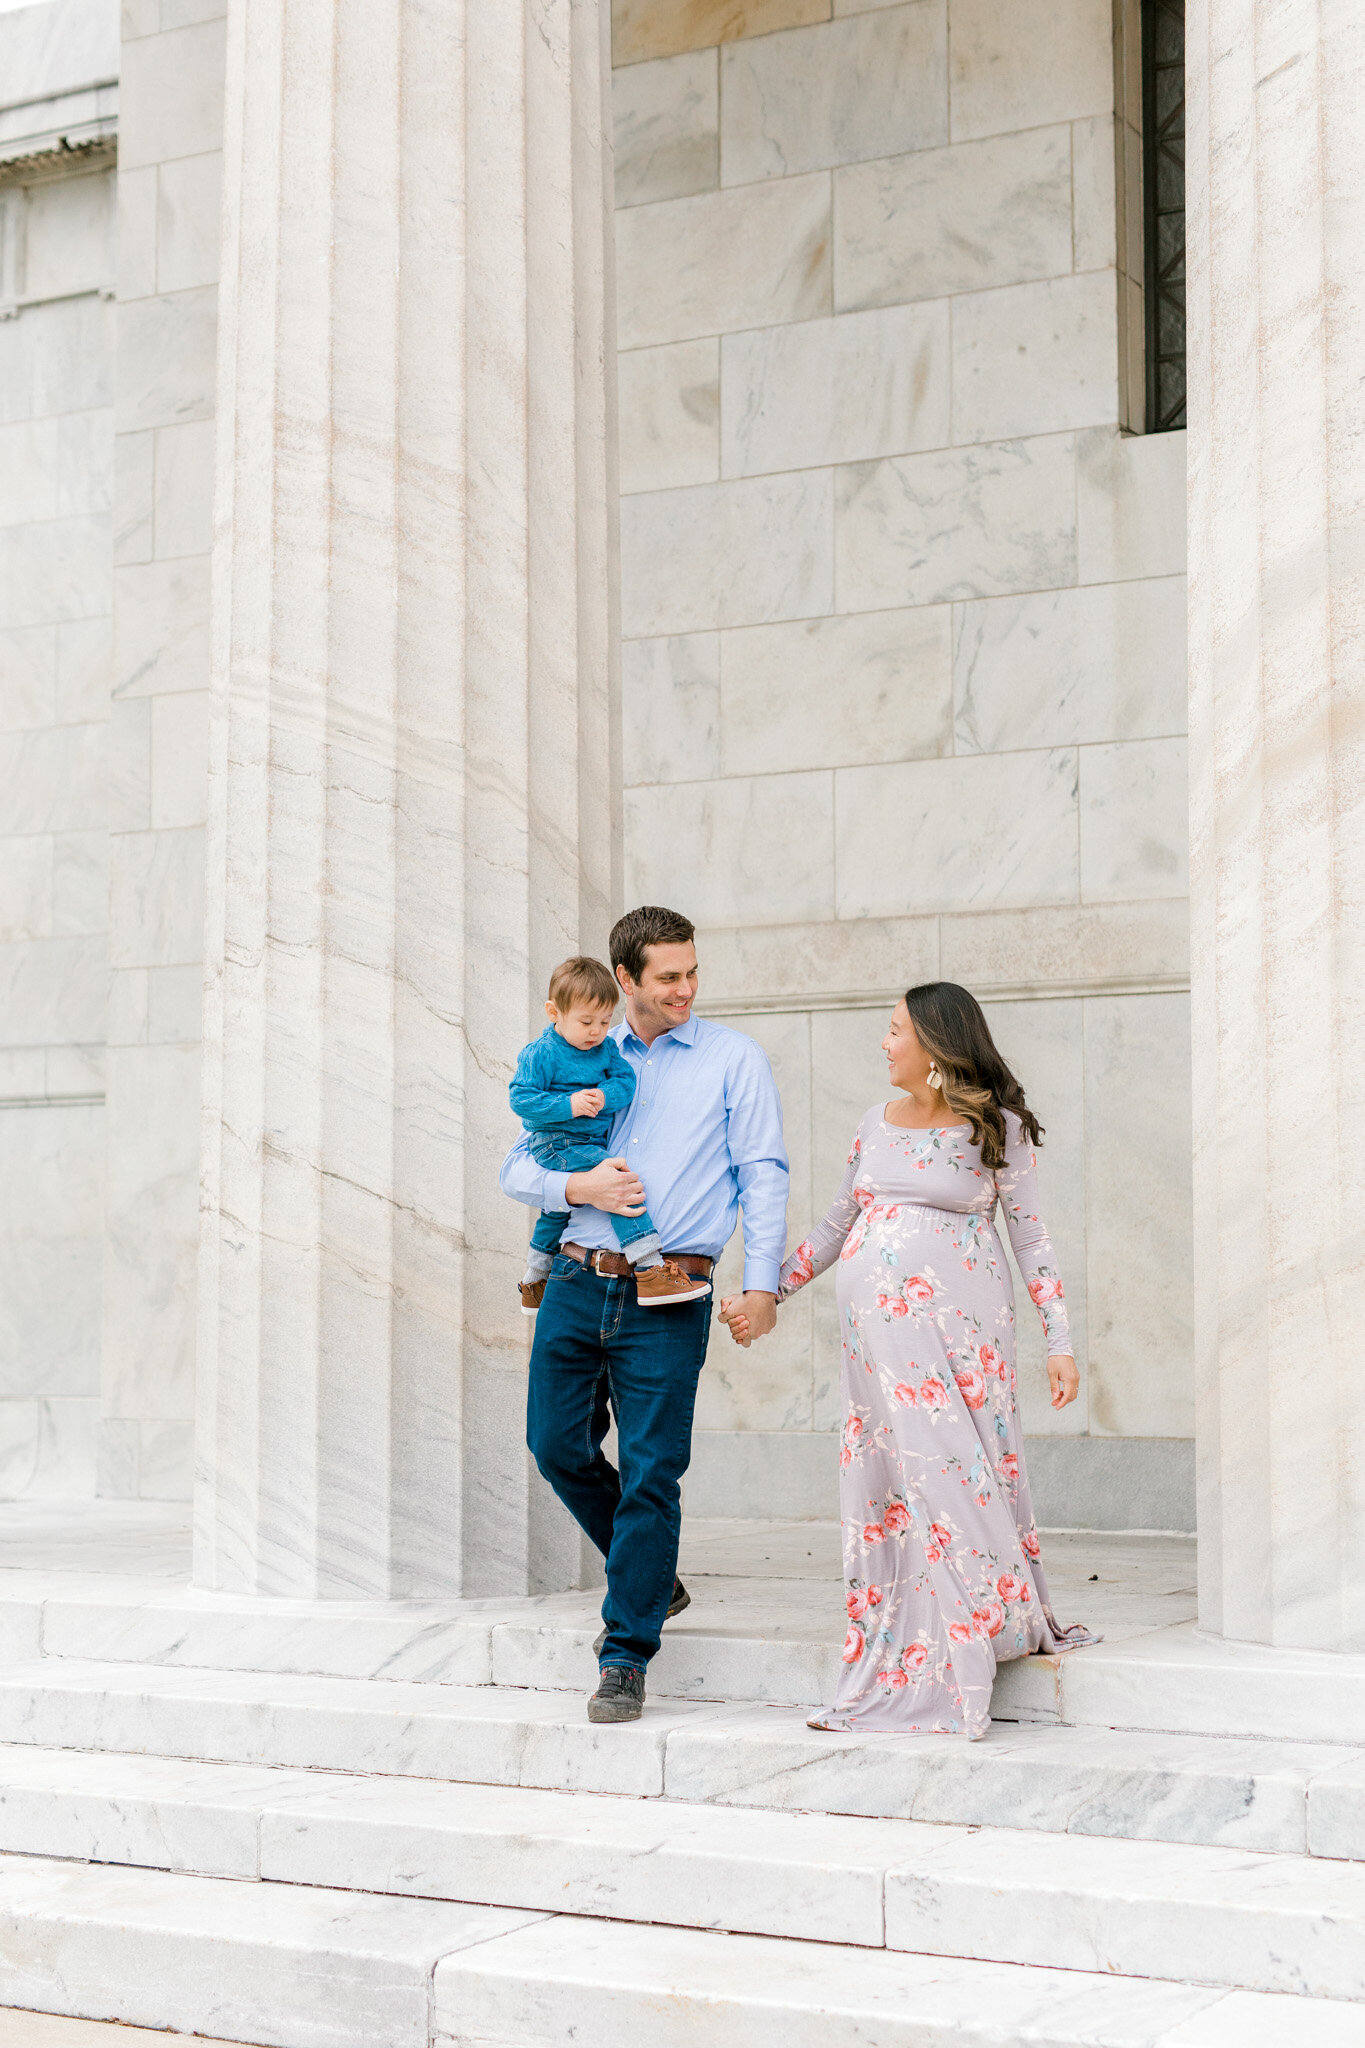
569 1086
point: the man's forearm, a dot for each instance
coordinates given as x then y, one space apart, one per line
526 1180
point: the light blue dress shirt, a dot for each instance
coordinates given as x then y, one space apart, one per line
704 1133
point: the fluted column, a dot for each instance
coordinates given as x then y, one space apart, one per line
1277 738
412 769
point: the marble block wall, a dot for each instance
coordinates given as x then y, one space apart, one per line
904 670
56 460
171 88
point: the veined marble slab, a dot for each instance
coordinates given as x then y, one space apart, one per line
1154 1909
613 1985
278 1964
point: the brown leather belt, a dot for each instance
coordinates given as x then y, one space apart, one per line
615 1266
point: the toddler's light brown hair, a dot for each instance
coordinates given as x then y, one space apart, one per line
583 980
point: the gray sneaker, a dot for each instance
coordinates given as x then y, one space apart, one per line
620 1696
681 1598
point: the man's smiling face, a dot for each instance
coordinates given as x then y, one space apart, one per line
662 998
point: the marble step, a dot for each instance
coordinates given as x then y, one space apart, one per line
286 1965
1292 1797
1225 1917
773 1642
565 1979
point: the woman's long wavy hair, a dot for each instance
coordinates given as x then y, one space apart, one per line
977 1085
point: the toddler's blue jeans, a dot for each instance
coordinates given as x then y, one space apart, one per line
564 1153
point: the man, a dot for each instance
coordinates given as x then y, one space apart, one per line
703 1137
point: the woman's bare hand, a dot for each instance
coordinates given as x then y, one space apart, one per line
736 1321
1063 1379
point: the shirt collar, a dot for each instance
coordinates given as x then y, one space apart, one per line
682 1034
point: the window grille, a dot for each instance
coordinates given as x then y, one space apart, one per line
1163 144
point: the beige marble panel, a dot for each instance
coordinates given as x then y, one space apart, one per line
848 1075
130 764
189 204
1043 1044
25 888
147 1363
1138 1222
657 28
986 832
795 964
171 95
57 569
723 260
953 220
161 640
1134 821
166 359
768 1387
755 847
57 358
47 1449
180 739
970 522
872 85
1035 358
183 488
52 991
1094 217
28 471
731 554
80 883
69 236
28 677
666 118
166 1460
85 461
1029 62
84 663
136 241
1130 504
841 390
1060 947
871 686
51 1220
52 780
1104 662
669 400
156 898
134 496
670 708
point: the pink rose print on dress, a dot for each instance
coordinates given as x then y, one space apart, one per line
802 1264
941 1534
845 1456
971 1384
989 1618
873 1532
1045 1288
1011 1587
1009 1465
854 1644
892 1305
958 1632
990 1360
853 1429
917 1288
874 1596
1028 1543
904 1393
896 1518
914 1657
894 1679
933 1393
857 1605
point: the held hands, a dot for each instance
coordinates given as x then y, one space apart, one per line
1063 1379
749 1315
588 1102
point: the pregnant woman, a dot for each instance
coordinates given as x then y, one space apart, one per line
941 1555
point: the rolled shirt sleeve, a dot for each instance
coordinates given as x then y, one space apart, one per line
526 1180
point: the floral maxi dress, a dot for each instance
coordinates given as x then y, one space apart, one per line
941 1555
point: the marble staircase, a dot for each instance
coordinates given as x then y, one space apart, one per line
367 1826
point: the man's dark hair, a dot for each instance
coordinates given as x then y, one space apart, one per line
650 925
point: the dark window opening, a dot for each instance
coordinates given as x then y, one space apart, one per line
1163 149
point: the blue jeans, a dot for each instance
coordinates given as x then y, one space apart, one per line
597 1354
564 1153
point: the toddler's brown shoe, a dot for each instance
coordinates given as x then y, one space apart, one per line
532 1294
661 1286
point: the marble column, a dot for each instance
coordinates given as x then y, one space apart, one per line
412 767
1277 743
